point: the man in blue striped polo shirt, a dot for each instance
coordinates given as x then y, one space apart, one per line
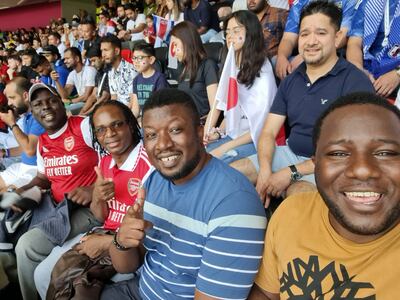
202 230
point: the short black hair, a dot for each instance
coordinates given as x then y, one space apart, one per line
358 98
113 40
29 52
129 118
38 60
75 52
170 96
55 34
148 49
130 6
329 9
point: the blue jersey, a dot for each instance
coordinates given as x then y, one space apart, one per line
208 235
293 20
31 127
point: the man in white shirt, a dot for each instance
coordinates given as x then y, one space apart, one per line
135 25
55 39
82 78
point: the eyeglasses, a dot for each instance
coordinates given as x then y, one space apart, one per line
233 31
139 58
114 126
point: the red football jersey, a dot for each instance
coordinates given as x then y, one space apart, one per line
127 178
67 158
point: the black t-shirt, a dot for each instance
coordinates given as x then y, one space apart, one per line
202 15
28 73
207 74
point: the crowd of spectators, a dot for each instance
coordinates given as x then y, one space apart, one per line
212 128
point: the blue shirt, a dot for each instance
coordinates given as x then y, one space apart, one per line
62 71
357 27
208 234
31 126
293 20
302 102
143 87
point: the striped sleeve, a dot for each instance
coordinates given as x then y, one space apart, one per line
233 249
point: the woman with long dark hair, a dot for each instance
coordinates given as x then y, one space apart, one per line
256 90
199 75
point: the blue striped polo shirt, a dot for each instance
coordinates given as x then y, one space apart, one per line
208 234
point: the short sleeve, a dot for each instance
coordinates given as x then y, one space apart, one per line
141 19
90 79
161 82
233 248
205 16
268 275
357 81
35 128
279 105
293 20
134 84
357 26
210 74
87 132
348 13
39 159
70 79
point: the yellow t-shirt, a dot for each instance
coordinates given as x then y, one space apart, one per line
304 256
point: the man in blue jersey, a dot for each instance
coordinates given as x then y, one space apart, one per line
200 235
374 43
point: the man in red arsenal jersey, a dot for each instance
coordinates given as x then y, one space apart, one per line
118 177
66 161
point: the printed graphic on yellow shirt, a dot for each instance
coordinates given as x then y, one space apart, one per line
310 280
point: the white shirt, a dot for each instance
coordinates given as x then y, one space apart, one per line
61 48
85 78
140 19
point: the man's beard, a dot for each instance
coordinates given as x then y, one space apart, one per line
186 169
391 217
19 110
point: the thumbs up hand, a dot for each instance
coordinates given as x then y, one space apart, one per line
103 188
133 226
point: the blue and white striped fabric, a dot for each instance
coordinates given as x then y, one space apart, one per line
293 20
369 25
208 235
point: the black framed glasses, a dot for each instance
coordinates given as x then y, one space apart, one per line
114 126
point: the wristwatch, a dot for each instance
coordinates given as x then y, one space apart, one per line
296 175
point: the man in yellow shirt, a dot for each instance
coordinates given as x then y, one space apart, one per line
343 242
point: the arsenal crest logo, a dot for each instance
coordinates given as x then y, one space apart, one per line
133 185
69 143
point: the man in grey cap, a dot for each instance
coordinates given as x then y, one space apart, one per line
66 161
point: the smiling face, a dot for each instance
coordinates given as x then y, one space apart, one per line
173 143
48 110
318 39
112 130
357 170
